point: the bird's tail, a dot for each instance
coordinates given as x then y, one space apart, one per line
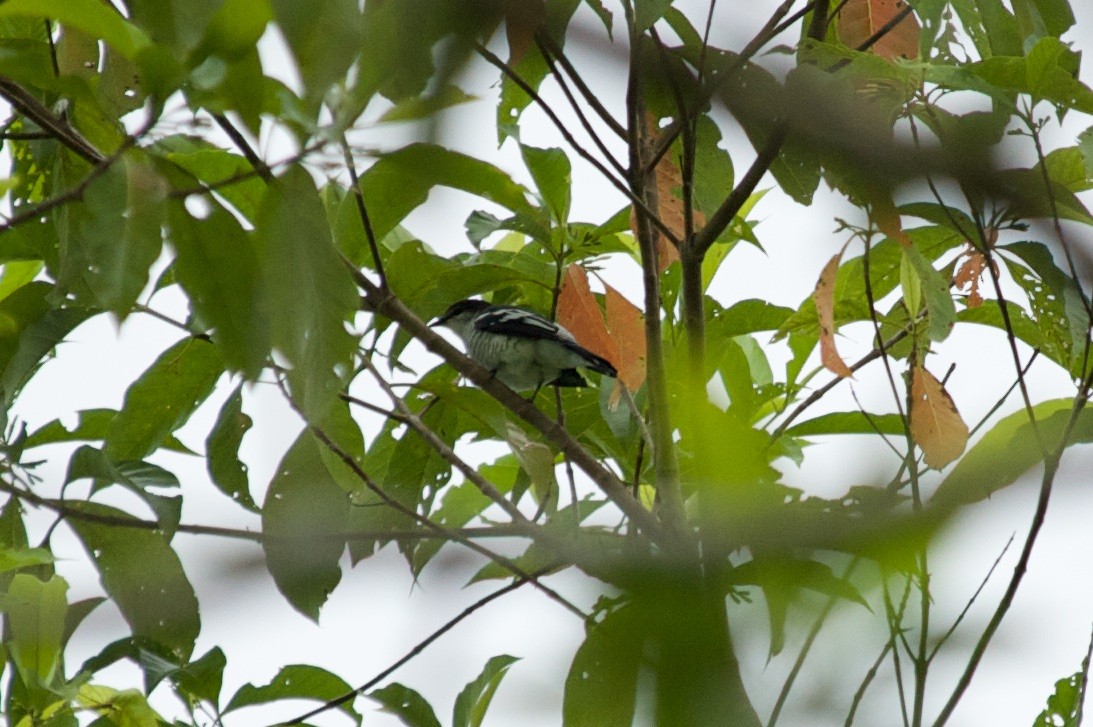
598 363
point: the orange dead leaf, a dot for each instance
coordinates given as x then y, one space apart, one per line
522 20
936 425
860 19
668 178
579 313
824 298
627 326
969 275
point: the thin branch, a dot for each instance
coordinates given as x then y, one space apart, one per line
25 103
362 212
410 655
971 601
1051 467
665 466
553 50
68 512
244 146
441 447
387 305
580 113
859 694
564 131
820 392
806 647
72 194
210 187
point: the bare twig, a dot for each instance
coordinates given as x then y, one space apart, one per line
244 146
410 655
362 212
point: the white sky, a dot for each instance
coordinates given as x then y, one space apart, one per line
378 613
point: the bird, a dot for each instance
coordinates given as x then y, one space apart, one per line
521 348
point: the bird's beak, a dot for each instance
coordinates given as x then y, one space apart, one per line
438 322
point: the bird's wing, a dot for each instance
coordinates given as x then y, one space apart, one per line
520 323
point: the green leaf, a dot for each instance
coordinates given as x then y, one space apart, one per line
35 343
110 239
551 170
1064 706
1009 450
128 707
939 302
400 181
91 425
1056 15
1047 73
163 398
407 704
227 471
296 681
310 293
472 703
144 577
90 16
324 37
848 422
212 166
36 617
218 266
136 476
16 558
16 274
781 578
601 686
303 515
422 107
202 678
1002 32
234 29
647 12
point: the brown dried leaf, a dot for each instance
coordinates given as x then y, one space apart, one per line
936 425
668 178
824 298
860 19
581 316
969 275
522 20
627 326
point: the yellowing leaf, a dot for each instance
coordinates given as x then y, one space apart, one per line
936 425
627 327
579 313
824 298
860 19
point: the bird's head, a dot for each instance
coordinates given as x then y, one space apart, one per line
460 314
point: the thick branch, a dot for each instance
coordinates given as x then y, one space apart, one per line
387 305
25 103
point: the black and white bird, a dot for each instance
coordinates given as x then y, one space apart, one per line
523 349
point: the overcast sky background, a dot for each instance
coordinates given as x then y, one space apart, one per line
378 613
